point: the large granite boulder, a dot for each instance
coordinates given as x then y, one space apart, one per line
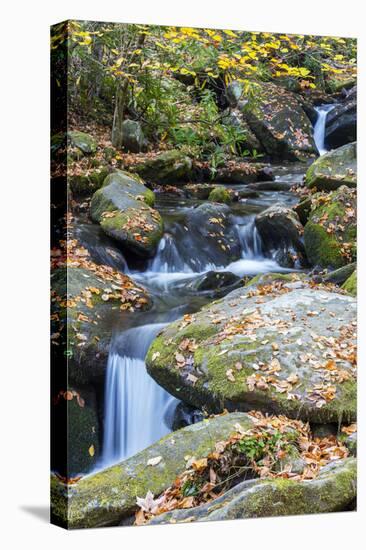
277 119
123 208
277 346
332 491
105 498
330 232
335 168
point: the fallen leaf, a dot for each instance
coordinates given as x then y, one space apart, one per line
154 461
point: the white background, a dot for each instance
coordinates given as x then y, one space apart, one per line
24 213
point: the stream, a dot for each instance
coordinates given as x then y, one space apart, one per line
137 411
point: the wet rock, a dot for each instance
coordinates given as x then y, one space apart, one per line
171 167
272 185
212 228
336 168
280 229
255 327
84 142
123 208
341 123
185 416
277 119
105 498
243 172
330 232
333 490
216 283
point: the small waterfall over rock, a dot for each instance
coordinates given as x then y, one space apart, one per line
319 128
250 240
136 408
168 259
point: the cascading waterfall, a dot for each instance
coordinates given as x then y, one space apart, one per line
137 411
250 240
136 408
168 259
319 128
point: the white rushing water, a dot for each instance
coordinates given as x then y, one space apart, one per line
319 128
136 408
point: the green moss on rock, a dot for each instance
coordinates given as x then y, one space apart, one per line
330 228
222 336
85 142
170 167
351 284
336 168
220 194
105 498
87 184
134 222
332 491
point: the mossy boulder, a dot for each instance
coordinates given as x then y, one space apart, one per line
278 120
105 498
83 316
332 491
86 184
281 232
335 168
220 194
123 208
256 326
330 232
350 284
170 167
84 142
